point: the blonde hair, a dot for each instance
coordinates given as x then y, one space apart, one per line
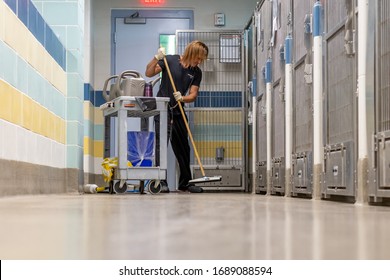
195 49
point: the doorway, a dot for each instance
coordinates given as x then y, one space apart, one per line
136 35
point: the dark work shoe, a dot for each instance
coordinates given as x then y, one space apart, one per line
183 188
195 189
164 189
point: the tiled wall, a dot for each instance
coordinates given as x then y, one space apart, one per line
33 90
32 19
66 19
93 130
42 94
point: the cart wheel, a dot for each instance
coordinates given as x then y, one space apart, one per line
118 188
154 186
111 187
142 187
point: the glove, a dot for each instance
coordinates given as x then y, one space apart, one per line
160 53
178 96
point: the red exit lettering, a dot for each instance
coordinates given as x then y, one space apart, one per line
152 2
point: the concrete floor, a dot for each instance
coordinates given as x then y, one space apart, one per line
190 226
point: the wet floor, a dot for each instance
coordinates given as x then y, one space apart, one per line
190 226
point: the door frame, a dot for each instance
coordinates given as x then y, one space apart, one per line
145 13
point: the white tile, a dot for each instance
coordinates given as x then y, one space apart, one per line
10 143
33 146
98 165
58 155
21 142
2 129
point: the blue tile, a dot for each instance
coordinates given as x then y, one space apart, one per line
98 132
87 94
59 103
36 24
41 25
218 99
10 71
32 20
99 99
54 47
23 10
11 4
2 54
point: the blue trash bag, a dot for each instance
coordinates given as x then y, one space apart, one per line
140 148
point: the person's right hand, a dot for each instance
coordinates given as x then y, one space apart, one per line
160 53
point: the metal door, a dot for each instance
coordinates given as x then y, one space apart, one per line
218 118
379 187
340 100
302 169
135 39
263 37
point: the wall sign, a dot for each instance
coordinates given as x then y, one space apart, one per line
153 3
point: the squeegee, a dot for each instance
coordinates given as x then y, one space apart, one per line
205 178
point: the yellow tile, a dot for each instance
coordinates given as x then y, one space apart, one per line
63 132
33 56
59 78
98 117
50 125
45 122
6 101
27 116
10 19
40 62
2 22
218 117
16 114
57 129
16 33
88 114
36 118
98 149
48 68
207 149
88 146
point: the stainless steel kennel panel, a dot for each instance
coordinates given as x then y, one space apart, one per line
261 166
303 133
217 119
379 186
279 19
302 169
278 164
340 101
263 21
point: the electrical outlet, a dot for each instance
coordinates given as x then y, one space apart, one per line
219 19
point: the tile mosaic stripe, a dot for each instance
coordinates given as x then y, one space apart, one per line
32 19
218 99
93 148
19 109
207 149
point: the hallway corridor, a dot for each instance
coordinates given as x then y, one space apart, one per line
190 226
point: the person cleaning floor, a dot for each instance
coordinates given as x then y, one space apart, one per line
187 77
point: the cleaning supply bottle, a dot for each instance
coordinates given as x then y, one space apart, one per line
90 188
148 90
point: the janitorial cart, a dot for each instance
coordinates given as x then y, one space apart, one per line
125 107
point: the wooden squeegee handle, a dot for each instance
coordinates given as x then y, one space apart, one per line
184 118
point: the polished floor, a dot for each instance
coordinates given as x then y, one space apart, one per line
190 226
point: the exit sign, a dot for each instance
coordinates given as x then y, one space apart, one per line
153 2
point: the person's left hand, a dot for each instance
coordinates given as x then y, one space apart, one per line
178 96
